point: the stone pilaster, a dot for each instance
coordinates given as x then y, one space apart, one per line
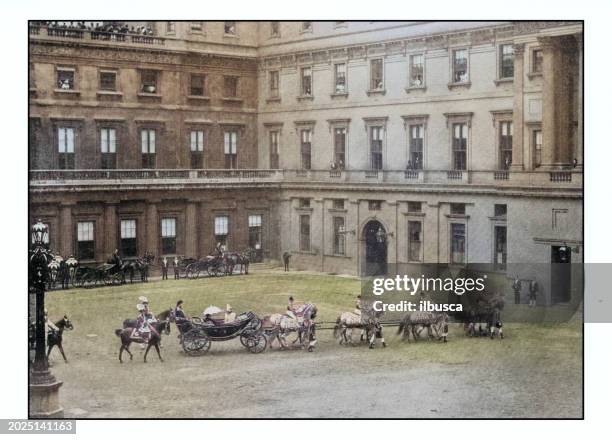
518 122
191 230
152 229
66 242
110 229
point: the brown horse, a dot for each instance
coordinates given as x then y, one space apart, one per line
127 336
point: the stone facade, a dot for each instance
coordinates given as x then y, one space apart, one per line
514 197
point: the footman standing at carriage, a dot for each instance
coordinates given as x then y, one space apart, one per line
516 286
164 267
181 320
176 268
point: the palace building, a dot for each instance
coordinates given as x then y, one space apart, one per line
351 145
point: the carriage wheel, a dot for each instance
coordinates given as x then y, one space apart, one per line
257 343
243 341
211 271
195 343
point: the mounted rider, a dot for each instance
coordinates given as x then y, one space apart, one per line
357 310
115 259
144 329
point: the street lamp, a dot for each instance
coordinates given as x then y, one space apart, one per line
381 235
44 387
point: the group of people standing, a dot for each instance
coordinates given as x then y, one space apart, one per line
517 287
165 263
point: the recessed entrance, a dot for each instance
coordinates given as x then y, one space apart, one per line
560 274
375 240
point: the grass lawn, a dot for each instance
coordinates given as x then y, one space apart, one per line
537 368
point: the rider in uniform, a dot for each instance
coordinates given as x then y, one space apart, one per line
357 310
142 323
291 307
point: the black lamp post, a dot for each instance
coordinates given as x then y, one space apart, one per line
44 387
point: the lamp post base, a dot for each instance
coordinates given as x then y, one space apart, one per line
44 396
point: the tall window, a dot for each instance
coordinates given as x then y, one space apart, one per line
170 27
229 27
148 81
230 86
340 78
85 241
376 144
505 144
65 78
128 238
414 241
108 80
274 84
230 148
457 243
416 76
168 236
306 148
305 233
340 147
147 142
416 146
196 145
306 79
376 74
195 26
306 26
255 231
274 141
108 148
460 146
275 29
460 66
506 59
537 61
537 148
221 229
339 236
500 247
65 145
197 85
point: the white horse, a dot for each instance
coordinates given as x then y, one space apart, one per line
345 324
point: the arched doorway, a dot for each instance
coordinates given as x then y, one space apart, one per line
375 240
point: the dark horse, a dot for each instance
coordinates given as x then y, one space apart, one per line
162 325
241 259
141 265
54 337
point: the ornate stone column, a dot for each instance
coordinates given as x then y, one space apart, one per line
549 125
518 151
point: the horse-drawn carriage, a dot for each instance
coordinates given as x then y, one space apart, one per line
197 334
217 264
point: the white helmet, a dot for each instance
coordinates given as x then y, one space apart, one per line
143 300
140 307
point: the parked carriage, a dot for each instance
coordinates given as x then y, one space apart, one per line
106 274
213 265
197 335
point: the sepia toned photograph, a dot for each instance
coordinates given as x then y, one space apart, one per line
305 219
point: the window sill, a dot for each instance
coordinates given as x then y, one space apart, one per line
232 99
415 88
466 84
339 95
503 81
273 99
198 97
108 93
337 256
275 36
149 95
304 209
372 92
230 36
458 216
305 98
414 214
67 91
337 210
532 75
